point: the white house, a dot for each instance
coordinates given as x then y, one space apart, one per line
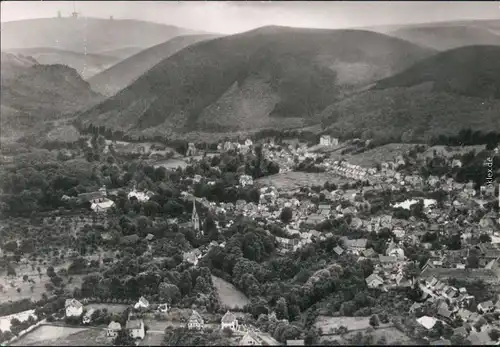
195 321
486 306
113 329
427 322
229 321
395 250
142 303
327 140
140 196
74 308
101 205
246 180
136 328
250 339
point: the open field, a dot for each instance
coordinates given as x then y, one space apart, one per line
447 151
355 325
376 155
229 295
171 164
329 324
152 339
392 335
47 335
134 147
21 316
292 180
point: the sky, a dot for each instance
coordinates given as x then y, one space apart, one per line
238 16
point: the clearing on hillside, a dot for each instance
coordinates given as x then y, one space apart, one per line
229 295
294 179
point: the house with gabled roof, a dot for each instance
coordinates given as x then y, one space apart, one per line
443 311
374 281
358 245
195 322
135 328
338 250
387 261
229 321
464 314
427 322
369 253
73 307
141 303
250 339
113 329
485 306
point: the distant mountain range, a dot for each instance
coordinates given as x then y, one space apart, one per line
118 76
86 35
447 35
86 65
33 94
442 94
409 82
269 77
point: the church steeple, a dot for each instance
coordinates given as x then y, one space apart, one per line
195 219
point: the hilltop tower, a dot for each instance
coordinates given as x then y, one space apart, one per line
74 14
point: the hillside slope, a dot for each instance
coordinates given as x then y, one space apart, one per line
14 64
443 94
33 94
86 65
121 53
471 71
85 35
448 37
492 25
253 79
118 76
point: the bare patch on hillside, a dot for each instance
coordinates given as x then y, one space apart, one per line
243 107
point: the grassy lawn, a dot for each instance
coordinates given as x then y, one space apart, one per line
379 154
47 335
329 324
356 325
392 335
229 295
152 339
292 180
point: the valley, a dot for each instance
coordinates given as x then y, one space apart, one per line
250 173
